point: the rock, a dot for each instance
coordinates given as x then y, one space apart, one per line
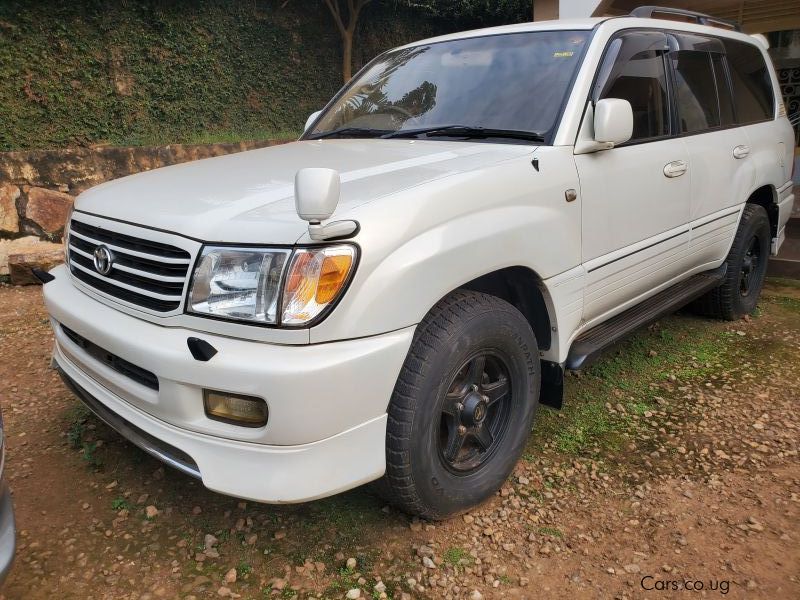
251 539
225 592
20 266
197 510
279 535
48 209
353 594
632 568
351 563
209 541
429 564
475 595
380 587
151 512
230 576
423 551
24 245
278 584
9 219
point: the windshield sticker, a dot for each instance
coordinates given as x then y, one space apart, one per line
564 54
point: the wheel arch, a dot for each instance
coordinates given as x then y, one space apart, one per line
766 196
523 289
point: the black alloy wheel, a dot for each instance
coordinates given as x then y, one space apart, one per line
475 412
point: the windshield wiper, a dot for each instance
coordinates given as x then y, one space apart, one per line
349 131
467 132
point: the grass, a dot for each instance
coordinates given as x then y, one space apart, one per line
551 531
792 304
77 416
682 348
781 281
89 456
120 503
456 556
244 568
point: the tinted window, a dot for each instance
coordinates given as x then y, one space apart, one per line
634 71
752 87
513 81
726 115
695 90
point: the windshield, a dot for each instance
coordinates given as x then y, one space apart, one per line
512 82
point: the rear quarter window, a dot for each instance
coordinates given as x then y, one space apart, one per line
752 87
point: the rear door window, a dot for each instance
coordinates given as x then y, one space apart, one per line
695 91
752 86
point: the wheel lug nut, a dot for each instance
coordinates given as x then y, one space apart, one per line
462 430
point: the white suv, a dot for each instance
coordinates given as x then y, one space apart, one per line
392 296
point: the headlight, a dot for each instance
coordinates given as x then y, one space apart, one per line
238 283
246 284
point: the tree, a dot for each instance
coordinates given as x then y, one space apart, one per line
458 13
346 30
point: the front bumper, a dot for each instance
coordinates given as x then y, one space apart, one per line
327 402
8 535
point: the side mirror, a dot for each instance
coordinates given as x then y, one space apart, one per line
311 120
316 193
613 121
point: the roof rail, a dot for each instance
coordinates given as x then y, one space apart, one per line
647 12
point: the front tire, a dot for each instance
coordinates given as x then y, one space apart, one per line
463 406
747 260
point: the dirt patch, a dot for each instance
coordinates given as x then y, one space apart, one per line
674 465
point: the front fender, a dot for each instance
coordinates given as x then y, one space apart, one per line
420 245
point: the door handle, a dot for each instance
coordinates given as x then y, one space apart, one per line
741 151
676 168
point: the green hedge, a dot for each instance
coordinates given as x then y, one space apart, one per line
158 71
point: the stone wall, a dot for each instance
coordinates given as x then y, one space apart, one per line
37 188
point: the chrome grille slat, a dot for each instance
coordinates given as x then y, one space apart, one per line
139 272
125 286
174 261
144 273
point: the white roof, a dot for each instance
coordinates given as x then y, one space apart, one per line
561 24
585 24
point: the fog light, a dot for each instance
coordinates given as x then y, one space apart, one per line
246 411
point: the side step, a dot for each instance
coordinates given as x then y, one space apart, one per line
591 343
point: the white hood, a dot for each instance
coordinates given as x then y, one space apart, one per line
249 197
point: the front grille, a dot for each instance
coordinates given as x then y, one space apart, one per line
143 272
120 365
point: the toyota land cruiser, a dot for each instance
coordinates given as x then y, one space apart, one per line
393 295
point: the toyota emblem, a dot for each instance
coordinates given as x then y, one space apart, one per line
103 260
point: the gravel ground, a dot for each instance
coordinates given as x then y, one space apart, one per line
674 465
